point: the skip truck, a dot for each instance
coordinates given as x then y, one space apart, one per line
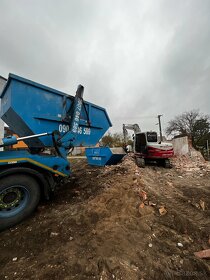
147 147
51 123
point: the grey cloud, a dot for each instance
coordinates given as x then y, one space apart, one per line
136 58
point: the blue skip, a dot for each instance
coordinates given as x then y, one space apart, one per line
102 156
51 123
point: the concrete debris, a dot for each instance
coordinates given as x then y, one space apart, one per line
192 163
150 203
170 184
94 231
52 234
197 205
202 204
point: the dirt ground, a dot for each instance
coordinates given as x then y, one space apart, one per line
118 222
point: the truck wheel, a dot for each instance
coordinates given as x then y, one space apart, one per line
19 196
140 162
161 162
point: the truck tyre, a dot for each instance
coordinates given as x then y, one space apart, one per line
167 163
140 162
161 162
19 196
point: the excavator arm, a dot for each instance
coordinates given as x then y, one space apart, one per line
135 127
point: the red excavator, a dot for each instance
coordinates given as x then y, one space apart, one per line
146 146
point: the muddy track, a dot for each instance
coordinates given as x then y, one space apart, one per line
98 227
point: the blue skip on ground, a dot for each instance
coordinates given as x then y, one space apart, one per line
101 156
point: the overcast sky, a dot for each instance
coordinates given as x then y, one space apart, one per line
136 58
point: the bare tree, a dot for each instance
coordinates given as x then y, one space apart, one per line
192 124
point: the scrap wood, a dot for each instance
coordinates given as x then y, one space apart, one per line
204 254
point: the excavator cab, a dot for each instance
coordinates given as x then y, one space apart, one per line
142 139
140 143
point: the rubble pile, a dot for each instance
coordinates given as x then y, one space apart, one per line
193 162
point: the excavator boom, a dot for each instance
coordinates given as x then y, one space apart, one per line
135 127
